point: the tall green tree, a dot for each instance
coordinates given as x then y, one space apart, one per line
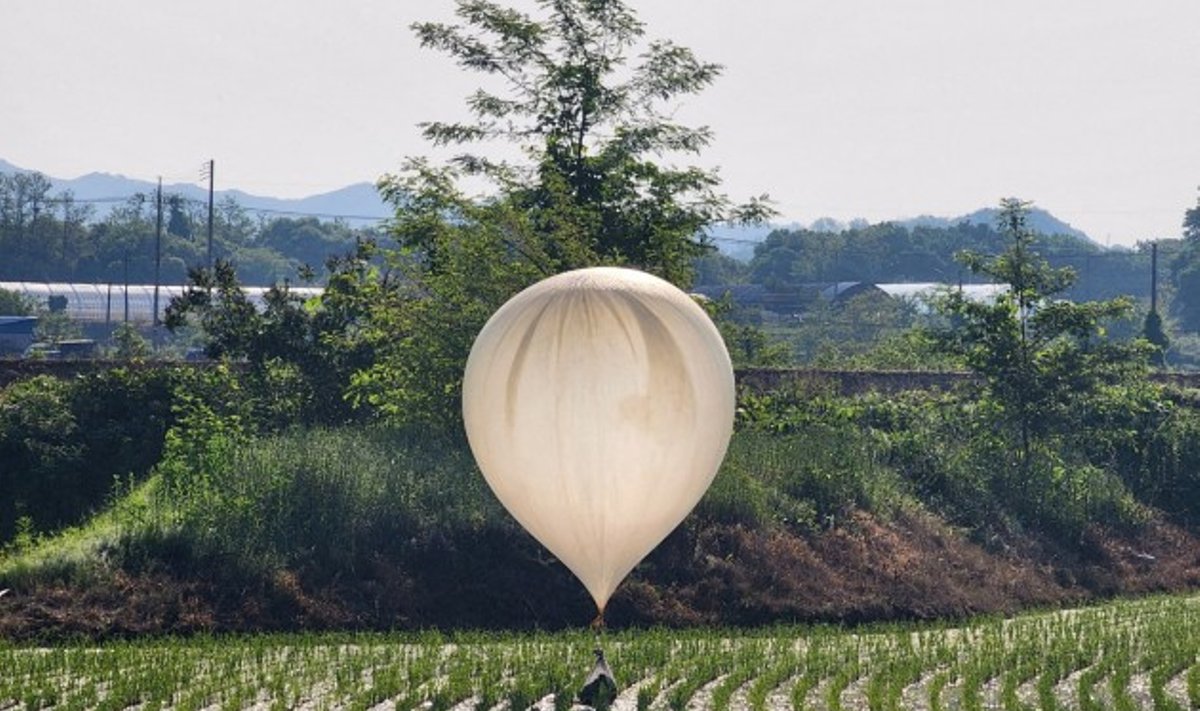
586 102
23 196
593 127
1042 358
1191 222
309 349
179 222
1185 270
1156 335
24 225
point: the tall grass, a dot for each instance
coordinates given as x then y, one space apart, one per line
322 495
805 478
326 497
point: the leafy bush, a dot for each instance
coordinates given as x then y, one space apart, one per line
1152 437
127 344
812 456
950 452
300 353
14 303
63 442
42 455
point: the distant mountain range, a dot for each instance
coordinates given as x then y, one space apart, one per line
360 204
1039 221
357 204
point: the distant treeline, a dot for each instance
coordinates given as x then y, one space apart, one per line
890 252
53 237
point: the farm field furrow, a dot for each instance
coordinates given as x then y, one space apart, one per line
1123 656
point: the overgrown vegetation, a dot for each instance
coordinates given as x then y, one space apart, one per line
228 487
15 304
63 443
324 444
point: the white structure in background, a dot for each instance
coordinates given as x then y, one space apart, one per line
115 303
922 292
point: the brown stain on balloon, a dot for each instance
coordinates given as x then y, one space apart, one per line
518 366
667 378
668 392
610 304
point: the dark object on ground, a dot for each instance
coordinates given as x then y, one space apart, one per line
600 689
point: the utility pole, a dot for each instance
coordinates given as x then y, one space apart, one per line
211 170
1153 277
157 251
126 277
66 226
33 225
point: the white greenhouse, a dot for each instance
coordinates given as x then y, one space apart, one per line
115 303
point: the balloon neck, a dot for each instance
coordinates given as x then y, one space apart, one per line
598 623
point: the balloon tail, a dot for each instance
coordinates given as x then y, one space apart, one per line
598 623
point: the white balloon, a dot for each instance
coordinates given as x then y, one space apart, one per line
599 404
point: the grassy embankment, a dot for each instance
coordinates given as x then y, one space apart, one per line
827 508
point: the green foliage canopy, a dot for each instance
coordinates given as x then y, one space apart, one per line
594 186
1185 269
593 131
15 304
1040 356
1055 417
304 350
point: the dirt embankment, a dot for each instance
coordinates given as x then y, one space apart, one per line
913 567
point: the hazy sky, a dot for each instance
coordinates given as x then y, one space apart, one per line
847 108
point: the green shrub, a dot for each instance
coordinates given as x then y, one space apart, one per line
63 442
43 457
1151 438
122 415
813 473
955 453
126 343
738 496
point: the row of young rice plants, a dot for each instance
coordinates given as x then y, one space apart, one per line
1123 656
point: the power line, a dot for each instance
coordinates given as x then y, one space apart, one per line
328 215
1106 253
72 200
203 203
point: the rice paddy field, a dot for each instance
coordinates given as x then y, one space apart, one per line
1125 655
